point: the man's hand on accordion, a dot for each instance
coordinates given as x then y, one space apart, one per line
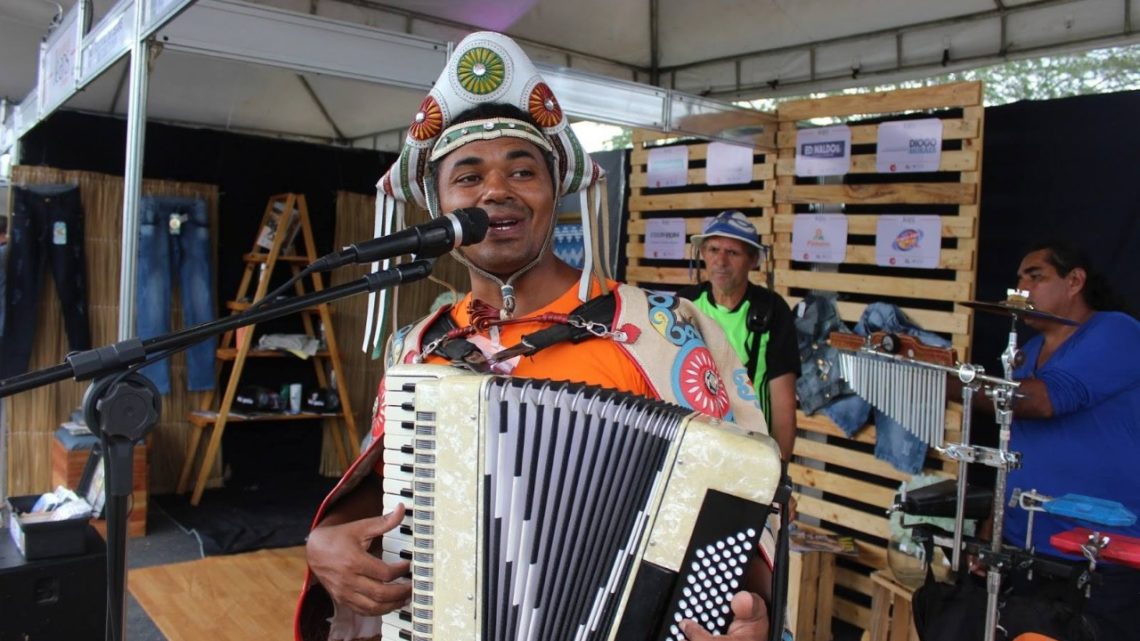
338 555
750 621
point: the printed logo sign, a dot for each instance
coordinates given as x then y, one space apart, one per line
909 145
908 241
823 151
819 238
665 238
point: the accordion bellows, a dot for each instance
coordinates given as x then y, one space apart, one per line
549 511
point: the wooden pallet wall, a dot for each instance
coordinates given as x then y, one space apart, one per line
849 487
694 203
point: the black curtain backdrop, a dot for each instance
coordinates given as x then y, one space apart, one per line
1057 169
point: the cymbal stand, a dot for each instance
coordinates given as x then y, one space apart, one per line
1002 392
969 388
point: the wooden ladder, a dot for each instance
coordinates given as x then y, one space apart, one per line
285 216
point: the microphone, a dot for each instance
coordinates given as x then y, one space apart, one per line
461 227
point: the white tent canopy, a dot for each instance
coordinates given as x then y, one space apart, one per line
722 50
352 71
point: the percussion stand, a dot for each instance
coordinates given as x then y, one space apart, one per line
1002 392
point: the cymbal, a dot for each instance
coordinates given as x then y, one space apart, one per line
1020 311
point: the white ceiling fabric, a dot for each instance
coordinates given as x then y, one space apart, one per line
726 49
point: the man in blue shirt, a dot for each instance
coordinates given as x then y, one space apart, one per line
1077 415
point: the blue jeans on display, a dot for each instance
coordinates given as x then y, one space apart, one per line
174 238
819 384
46 227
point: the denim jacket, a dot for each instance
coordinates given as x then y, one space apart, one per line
819 383
893 443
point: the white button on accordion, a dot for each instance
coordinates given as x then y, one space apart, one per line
553 511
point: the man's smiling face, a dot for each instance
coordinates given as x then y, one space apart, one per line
507 177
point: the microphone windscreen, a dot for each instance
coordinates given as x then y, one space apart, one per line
474 222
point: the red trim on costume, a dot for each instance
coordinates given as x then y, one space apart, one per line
622 347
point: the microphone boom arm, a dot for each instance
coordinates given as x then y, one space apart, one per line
93 362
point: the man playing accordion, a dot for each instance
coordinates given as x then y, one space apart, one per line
492 135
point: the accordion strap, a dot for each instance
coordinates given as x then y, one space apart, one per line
592 318
444 336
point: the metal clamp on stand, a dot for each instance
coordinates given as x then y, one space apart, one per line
987 456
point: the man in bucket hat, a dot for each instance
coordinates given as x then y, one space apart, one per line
491 134
756 320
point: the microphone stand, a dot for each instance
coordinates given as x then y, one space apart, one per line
121 406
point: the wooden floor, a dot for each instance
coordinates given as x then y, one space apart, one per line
245 596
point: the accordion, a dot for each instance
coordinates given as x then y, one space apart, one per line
539 510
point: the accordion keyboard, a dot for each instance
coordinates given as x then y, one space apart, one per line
539 510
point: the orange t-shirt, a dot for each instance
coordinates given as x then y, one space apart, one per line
593 361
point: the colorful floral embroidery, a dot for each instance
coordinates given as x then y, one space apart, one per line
544 107
744 387
480 71
664 320
428 121
697 382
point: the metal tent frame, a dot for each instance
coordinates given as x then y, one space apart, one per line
71 57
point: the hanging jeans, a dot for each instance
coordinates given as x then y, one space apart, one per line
174 238
46 227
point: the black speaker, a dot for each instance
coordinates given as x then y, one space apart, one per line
58 598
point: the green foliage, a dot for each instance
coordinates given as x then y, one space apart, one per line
1089 72
624 140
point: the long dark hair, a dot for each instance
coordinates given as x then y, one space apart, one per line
1065 257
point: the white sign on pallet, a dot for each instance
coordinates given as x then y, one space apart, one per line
668 166
908 241
819 238
909 145
665 238
728 164
823 151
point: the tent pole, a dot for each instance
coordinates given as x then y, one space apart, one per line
132 177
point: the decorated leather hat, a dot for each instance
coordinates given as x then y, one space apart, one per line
487 67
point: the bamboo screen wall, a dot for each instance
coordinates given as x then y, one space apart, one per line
354 221
33 416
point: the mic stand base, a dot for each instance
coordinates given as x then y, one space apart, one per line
122 408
